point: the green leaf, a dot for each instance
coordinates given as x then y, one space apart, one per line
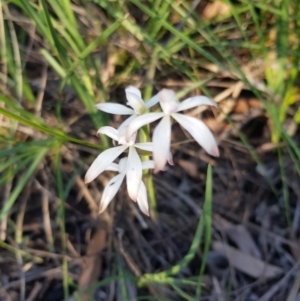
47 130
37 158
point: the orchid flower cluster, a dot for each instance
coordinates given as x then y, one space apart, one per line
132 166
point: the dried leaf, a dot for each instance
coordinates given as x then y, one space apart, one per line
220 295
190 167
239 235
215 9
247 264
92 262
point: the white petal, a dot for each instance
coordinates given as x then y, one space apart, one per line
194 102
134 90
103 161
114 108
140 121
110 191
168 101
109 131
133 173
113 167
135 102
122 165
161 143
127 121
170 159
142 199
147 146
152 101
149 164
199 131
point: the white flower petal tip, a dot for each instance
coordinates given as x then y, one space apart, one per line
170 159
109 131
147 213
142 199
133 173
101 210
210 147
196 101
199 131
134 90
157 169
86 180
161 143
110 191
114 108
215 152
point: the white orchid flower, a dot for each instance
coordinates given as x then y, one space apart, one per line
114 184
134 100
162 133
134 164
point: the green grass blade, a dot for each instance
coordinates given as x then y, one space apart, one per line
45 129
23 180
61 220
194 246
207 217
87 51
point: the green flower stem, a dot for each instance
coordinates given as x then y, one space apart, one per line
204 218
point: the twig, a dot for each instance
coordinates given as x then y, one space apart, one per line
270 293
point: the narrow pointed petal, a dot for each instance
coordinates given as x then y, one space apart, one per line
142 199
113 167
170 159
134 90
127 121
147 146
122 165
110 191
152 101
195 102
199 131
135 102
133 173
109 131
149 164
103 161
161 143
140 121
114 108
168 101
